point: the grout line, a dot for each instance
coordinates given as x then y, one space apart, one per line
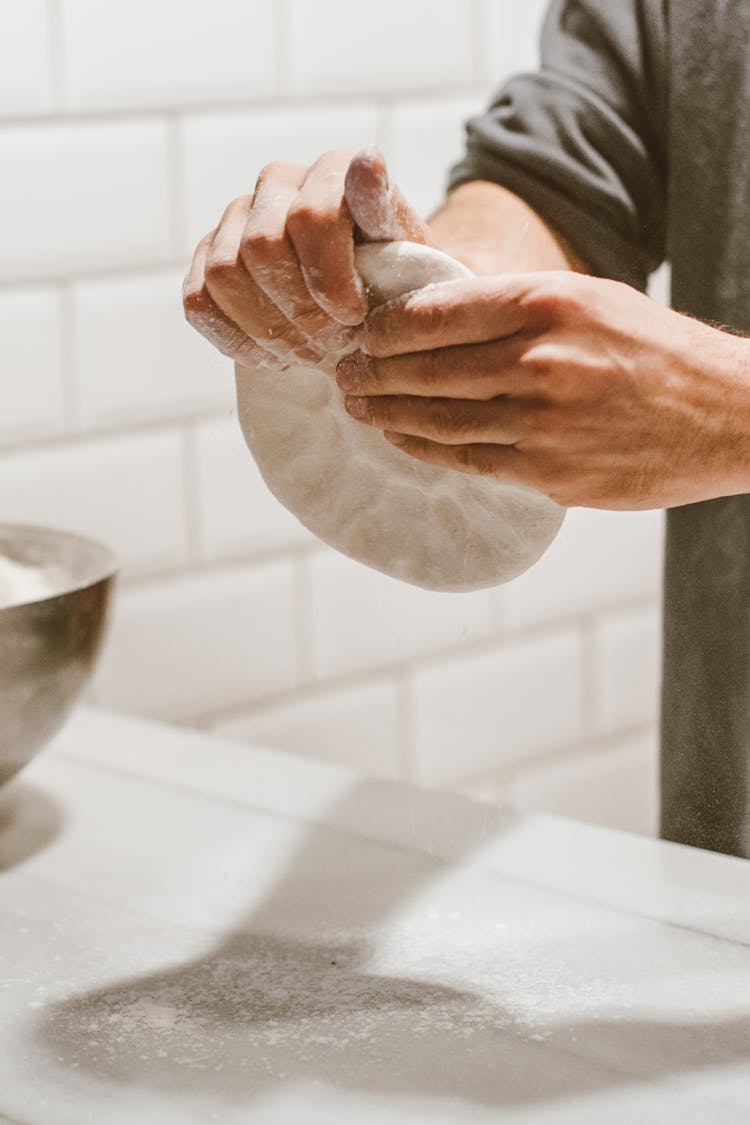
404 670
93 435
107 273
560 756
177 186
272 101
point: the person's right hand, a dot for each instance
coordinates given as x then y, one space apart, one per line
275 283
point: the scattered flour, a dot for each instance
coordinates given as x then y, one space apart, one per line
21 583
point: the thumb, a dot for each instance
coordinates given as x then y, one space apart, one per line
378 208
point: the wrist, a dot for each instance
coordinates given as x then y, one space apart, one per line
732 383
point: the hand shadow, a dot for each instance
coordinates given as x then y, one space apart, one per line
295 992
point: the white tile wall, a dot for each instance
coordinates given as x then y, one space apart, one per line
598 559
473 712
357 724
423 139
124 131
26 83
222 153
236 513
182 51
360 618
128 491
337 47
79 197
626 669
198 643
136 358
31 374
612 784
509 37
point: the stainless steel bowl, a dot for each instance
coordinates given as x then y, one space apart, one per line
48 648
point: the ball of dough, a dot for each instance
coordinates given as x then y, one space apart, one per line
430 526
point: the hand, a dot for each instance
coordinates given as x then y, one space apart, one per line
580 387
275 283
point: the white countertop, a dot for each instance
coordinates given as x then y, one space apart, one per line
194 930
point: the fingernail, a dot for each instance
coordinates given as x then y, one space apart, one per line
357 407
395 439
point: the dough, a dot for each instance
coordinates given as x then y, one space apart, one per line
430 526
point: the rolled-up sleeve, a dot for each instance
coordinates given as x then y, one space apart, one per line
583 140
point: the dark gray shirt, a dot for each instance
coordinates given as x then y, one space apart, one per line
633 141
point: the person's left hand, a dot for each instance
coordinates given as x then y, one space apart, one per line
580 387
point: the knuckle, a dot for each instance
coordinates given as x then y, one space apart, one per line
220 271
540 420
380 411
555 297
259 245
195 303
273 170
303 217
445 422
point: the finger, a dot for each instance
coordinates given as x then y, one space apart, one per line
271 260
202 312
469 311
378 208
241 298
476 371
446 420
322 233
503 462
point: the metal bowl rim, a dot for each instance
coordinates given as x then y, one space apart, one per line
107 569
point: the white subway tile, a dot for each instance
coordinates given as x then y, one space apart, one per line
598 558
126 491
31 376
626 669
357 725
236 513
187 646
475 712
509 37
82 197
615 784
136 357
222 153
26 82
168 53
384 47
423 140
360 618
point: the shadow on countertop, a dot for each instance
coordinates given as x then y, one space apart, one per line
274 1002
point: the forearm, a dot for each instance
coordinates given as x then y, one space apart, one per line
492 231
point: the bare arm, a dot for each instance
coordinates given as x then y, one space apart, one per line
493 231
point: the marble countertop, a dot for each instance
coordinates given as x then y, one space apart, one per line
194 930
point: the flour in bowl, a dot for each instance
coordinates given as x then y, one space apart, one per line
21 582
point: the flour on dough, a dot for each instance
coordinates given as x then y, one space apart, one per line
429 526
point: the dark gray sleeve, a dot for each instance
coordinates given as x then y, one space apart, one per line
583 140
